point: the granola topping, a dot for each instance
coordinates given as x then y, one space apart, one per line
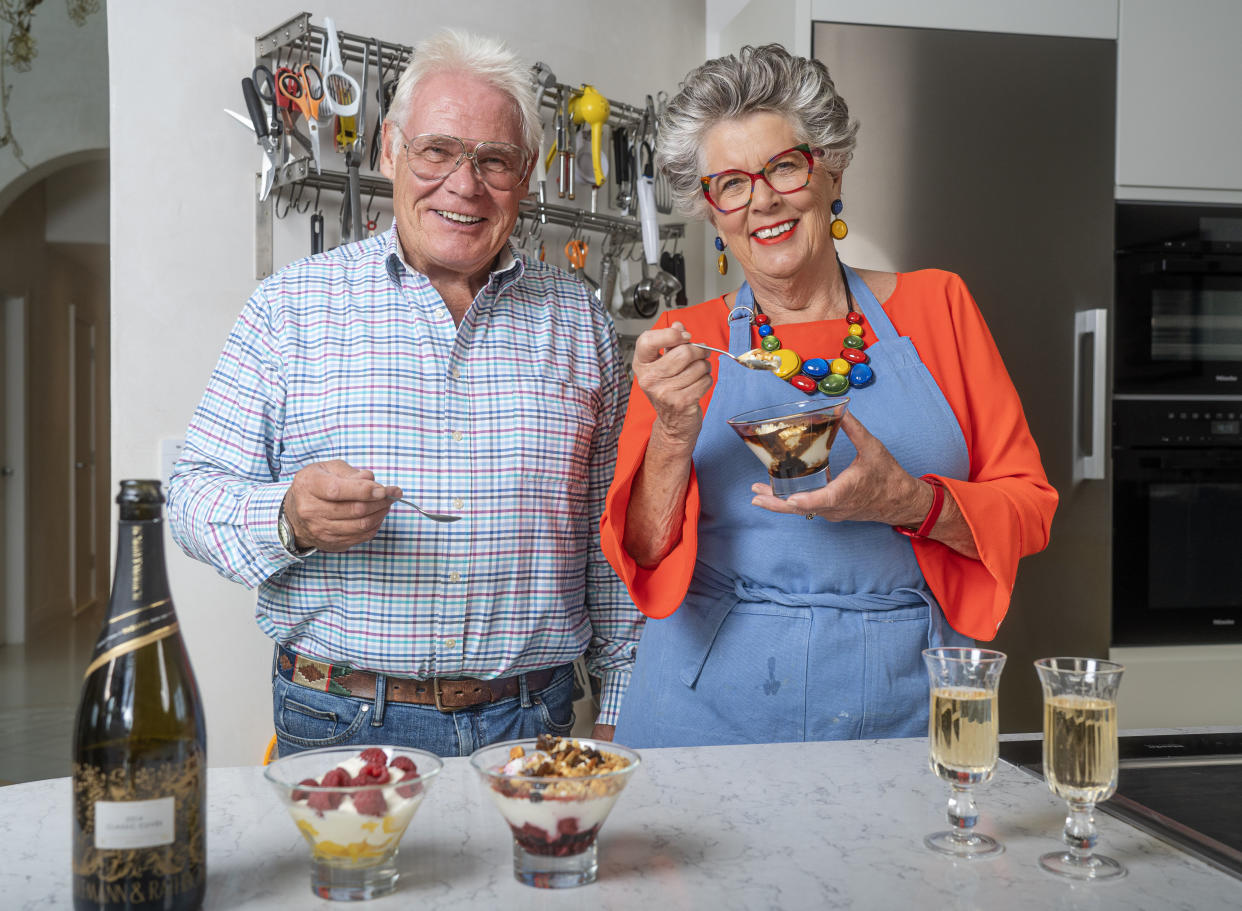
560 758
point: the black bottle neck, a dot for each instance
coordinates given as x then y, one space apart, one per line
140 610
140 579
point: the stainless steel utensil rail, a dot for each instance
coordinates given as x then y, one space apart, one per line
297 36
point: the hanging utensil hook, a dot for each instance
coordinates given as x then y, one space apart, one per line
301 209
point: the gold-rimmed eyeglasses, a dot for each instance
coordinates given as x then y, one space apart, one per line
786 172
434 156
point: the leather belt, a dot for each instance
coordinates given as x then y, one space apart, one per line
448 694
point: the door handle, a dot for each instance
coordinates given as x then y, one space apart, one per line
1089 462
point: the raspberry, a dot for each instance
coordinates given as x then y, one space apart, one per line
409 790
302 795
404 763
374 756
531 833
370 803
567 826
337 778
372 774
324 800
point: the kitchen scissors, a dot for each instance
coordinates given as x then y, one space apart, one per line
288 115
265 85
576 253
304 88
269 140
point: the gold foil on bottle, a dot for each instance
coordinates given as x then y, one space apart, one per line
180 780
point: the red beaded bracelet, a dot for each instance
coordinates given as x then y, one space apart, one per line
932 514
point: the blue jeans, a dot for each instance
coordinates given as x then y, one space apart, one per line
306 719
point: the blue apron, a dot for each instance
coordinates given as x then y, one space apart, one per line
794 630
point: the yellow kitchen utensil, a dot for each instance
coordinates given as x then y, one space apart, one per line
588 106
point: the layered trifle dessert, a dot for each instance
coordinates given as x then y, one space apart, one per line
556 796
792 447
358 809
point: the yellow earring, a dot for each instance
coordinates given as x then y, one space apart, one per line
722 261
838 228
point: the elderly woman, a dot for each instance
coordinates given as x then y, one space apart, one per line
766 626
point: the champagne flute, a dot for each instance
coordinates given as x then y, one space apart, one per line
962 738
1080 756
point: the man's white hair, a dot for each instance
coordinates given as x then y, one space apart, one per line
455 51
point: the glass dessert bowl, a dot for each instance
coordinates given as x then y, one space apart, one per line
555 794
792 441
352 806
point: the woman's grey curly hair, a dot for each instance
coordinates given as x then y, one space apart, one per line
766 78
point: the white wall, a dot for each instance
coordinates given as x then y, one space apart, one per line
182 193
59 108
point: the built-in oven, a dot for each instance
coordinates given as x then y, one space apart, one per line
1178 314
1177 520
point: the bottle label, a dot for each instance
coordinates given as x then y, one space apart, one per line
153 842
134 823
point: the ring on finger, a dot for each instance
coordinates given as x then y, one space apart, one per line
810 516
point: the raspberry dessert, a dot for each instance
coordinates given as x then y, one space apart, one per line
556 796
371 799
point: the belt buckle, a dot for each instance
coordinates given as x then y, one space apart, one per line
435 689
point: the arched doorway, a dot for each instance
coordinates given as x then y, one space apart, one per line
54 448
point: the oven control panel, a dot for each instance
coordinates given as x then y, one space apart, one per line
1177 422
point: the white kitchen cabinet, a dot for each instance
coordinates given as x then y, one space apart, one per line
1179 116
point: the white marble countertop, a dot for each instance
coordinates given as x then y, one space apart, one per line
799 825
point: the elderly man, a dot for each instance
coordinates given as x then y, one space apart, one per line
432 363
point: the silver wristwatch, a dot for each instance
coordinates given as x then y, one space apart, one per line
284 529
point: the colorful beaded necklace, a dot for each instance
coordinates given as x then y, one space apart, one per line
835 377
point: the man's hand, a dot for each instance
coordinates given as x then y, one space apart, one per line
333 506
604 732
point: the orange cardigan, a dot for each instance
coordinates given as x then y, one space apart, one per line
1007 500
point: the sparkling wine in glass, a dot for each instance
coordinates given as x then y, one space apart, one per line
962 740
1080 756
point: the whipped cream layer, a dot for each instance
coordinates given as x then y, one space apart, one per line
546 814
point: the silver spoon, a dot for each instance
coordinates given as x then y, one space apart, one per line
433 516
754 359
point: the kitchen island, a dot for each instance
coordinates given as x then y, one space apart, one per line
780 826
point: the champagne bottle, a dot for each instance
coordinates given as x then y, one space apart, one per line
140 745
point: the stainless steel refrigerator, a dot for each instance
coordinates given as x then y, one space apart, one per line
991 155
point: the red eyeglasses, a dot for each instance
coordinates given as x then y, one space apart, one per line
786 172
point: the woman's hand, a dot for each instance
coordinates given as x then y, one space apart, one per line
874 488
673 381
